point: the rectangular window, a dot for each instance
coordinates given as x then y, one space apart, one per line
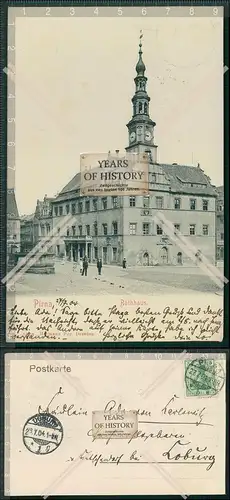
56 211
176 228
205 205
95 203
80 207
159 229
80 230
67 209
205 229
88 230
60 210
154 177
115 227
132 201
95 229
43 230
177 203
87 206
132 228
114 201
114 254
105 229
221 236
73 230
159 201
104 203
145 228
146 201
73 208
192 229
192 204
95 252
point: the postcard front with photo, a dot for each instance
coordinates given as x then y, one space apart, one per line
116 201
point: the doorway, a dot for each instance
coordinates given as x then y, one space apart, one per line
75 252
104 255
179 258
164 256
146 259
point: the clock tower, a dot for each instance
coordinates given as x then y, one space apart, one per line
141 127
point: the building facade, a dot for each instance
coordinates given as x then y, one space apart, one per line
13 224
37 226
43 220
220 223
27 233
115 227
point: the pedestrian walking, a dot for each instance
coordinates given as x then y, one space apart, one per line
81 266
124 263
85 266
99 266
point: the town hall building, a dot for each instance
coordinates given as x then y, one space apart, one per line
117 227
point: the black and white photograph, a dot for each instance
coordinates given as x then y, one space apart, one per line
111 83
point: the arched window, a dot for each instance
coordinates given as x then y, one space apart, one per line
140 107
145 108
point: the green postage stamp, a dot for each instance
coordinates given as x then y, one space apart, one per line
203 377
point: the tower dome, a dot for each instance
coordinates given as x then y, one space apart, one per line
140 66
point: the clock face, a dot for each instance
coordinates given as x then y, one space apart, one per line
132 136
148 135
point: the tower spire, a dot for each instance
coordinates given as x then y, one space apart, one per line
140 67
141 127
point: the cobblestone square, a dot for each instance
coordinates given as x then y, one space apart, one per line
117 281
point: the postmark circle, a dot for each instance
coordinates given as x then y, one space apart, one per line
42 433
204 377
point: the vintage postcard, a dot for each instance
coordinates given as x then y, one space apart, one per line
115 228
115 424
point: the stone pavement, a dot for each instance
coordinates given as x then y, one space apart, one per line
117 281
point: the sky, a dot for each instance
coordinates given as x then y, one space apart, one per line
74 84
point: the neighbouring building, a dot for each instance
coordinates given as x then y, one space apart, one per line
27 233
43 220
220 223
115 227
37 226
13 224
